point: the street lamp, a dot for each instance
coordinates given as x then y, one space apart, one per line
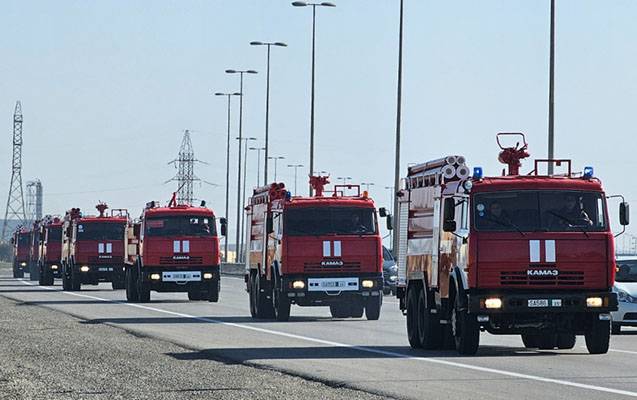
551 88
345 179
258 150
267 103
313 5
367 185
398 117
276 158
243 196
296 168
228 95
239 209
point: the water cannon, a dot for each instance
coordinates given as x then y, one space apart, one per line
511 156
318 183
101 207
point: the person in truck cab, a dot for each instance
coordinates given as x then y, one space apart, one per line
572 213
356 225
496 216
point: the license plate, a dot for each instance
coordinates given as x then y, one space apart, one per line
181 276
538 303
105 269
332 284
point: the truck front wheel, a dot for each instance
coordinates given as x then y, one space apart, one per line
465 330
566 341
282 305
132 295
531 341
372 307
17 272
598 336
412 319
215 287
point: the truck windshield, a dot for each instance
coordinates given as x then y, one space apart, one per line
100 231
627 271
329 220
180 226
545 211
54 235
24 240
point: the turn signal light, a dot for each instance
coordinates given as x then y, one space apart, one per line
594 302
493 302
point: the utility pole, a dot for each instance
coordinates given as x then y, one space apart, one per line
552 90
398 121
15 202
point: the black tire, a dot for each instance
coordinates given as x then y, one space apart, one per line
264 303
429 328
531 341
46 278
412 318
357 309
195 296
386 291
282 305
17 272
66 278
41 276
339 311
144 291
214 289
252 296
547 341
372 308
132 294
119 282
566 341
34 272
616 329
76 284
598 336
466 331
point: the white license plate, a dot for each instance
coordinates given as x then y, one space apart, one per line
181 276
538 303
105 269
332 284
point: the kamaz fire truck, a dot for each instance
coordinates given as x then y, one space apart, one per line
21 241
178 249
94 248
49 250
514 254
313 251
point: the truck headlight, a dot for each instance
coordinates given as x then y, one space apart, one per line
84 268
154 277
54 267
23 264
207 275
493 303
594 302
298 285
367 283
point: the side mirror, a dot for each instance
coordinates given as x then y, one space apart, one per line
624 213
449 212
390 222
382 212
269 224
223 223
449 225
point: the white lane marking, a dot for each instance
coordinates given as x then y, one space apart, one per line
623 351
360 348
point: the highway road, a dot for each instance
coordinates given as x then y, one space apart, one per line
369 356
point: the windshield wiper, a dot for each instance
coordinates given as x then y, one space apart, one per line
571 224
507 223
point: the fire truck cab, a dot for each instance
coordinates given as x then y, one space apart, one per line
94 248
313 251
518 254
21 241
178 249
50 250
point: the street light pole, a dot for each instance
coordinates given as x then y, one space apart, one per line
243 196
345 179
267 104
276 158
296 168
398 120
313 5
225 240
551 89
258 150
239 208
367 185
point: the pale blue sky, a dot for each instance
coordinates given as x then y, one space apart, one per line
109 86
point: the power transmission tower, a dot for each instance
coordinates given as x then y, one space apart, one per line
185 177
15 201
34 201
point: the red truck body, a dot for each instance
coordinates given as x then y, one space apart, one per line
178 251
302 250
21 252
518 254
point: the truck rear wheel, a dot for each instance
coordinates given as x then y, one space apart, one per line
465 330
412 319
262 305
144 291
372 308
34 270
132 295
598 337
429 328
213 291
566 341
282 305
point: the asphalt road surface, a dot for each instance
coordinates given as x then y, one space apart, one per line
313 355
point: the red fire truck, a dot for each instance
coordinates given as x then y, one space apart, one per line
21 241
49 250
513 254
94 248
178 251
313 251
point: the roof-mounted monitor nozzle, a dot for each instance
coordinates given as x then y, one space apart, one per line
318 184
101 207
512 155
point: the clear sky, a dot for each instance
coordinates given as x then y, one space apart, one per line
108 87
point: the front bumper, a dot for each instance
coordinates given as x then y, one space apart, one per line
55 269
92 274
626 315
310 297
162 285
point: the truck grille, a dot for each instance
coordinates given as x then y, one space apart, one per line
318 268
190 261
630 316
565 278
112 260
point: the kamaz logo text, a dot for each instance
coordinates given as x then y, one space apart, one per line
332 263
542 272
181 257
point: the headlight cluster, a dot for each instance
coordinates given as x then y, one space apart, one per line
624 297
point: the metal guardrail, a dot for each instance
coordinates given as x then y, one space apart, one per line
233 269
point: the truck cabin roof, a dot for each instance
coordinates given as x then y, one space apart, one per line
328 201
177 211
95 219
532 182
